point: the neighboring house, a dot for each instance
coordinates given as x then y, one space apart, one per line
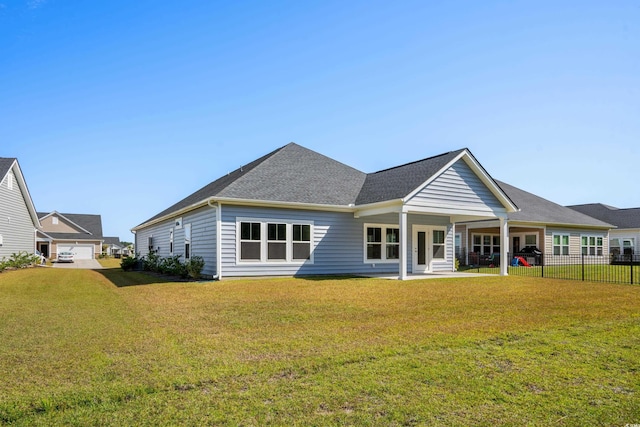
625 238
112 246
297 212
18 217
555 230
77 233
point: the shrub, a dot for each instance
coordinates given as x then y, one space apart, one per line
22 260
129 263
172 266
194 267
151 262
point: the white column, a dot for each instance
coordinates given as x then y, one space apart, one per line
403 246
504 247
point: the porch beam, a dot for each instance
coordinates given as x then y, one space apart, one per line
403 246
504 246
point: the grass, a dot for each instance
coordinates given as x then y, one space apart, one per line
113 348
110 262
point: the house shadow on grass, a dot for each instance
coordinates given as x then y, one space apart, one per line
121 278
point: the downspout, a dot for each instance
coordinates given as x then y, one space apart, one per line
218 206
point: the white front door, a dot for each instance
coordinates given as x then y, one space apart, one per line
428 245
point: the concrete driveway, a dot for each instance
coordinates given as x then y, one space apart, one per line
87 264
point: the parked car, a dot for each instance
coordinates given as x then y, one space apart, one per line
65 257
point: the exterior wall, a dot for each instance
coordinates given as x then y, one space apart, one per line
575 244
61 227
338 243
457 187
16 226
203 237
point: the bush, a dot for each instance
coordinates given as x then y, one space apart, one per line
151 262
172 266
194 267
129 263
19 260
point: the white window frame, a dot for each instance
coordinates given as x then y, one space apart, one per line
264 241
383 244
589 246
178 223
187 241
561 245
494 248
535 238
171 248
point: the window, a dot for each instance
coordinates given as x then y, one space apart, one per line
187 241
301 241
382 243
486 244
1 240
438 244
171 242
150 243
531 240
628 245
274 241
561 244
614 247
277 242
592 245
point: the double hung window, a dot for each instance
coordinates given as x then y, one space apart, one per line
274 241
592 245
561 244
382 243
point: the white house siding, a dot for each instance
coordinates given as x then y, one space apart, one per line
457 187
203 237
338 242
16 226
575 244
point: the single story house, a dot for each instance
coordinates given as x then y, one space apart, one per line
18 217
296 212
77 233
625 238
557 231
112 246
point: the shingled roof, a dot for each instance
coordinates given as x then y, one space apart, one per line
621 218
400 181
5 165
289 174
294 174
536 209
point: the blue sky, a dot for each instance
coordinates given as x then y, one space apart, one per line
122 108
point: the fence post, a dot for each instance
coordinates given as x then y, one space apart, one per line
542 263
583 267
631 267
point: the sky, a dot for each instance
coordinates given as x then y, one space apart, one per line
122 108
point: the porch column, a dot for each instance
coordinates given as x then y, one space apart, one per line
504 246
403 246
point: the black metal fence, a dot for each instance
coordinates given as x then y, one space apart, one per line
610 269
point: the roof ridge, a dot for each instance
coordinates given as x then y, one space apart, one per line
418 161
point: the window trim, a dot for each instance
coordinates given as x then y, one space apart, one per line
383 243
482 245
595 246
171 242
264 241
568 245
187 241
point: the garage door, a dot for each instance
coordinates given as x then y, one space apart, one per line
79 251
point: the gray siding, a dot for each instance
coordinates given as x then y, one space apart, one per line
203 237
338 242
16 226
457 187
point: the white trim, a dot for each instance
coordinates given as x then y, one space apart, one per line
264 241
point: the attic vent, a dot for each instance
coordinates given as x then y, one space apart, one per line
54 220
10 181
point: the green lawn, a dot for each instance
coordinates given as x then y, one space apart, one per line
83 347
594 273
